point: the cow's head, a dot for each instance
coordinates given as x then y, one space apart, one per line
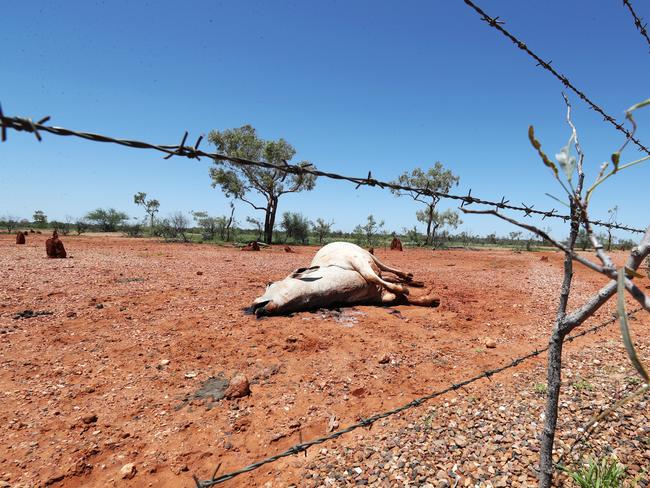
289 294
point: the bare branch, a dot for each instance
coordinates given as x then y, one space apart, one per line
637 255
251 204
542 234
581 154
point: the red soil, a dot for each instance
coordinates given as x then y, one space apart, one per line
108 378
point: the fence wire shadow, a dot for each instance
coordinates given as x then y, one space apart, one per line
368 422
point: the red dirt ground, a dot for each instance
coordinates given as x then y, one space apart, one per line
121 306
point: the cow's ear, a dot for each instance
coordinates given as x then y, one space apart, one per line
269 284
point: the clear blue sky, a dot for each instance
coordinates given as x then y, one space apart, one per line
353 85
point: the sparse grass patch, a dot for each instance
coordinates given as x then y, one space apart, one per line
605 472
540 388
427 420
582 384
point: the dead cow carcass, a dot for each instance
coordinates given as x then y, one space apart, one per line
341 273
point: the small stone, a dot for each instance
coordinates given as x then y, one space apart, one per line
460 440
239 387
128 471
277 436
164 362
99 306
385 359
191 374
199 273
71 315
490 343
89 419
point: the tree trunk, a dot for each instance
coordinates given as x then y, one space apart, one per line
609 239
433 235
554 380
429 222
269 219
151 221
554 365
232 213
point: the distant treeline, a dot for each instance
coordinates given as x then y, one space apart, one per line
293 229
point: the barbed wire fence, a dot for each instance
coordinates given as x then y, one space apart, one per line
638 23
21 124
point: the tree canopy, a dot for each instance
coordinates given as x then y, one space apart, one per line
321 228
108 219
239 181
151 206
435 179
296 226
369 230
40 219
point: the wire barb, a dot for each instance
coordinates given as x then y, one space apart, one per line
638 23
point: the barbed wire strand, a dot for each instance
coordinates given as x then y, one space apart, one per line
638 23
303 446
193 152
498 25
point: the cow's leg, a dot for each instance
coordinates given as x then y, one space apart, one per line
428 300
395 271
365 270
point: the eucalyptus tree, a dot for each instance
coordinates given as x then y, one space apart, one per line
321 228
151 206
436 179
239 181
